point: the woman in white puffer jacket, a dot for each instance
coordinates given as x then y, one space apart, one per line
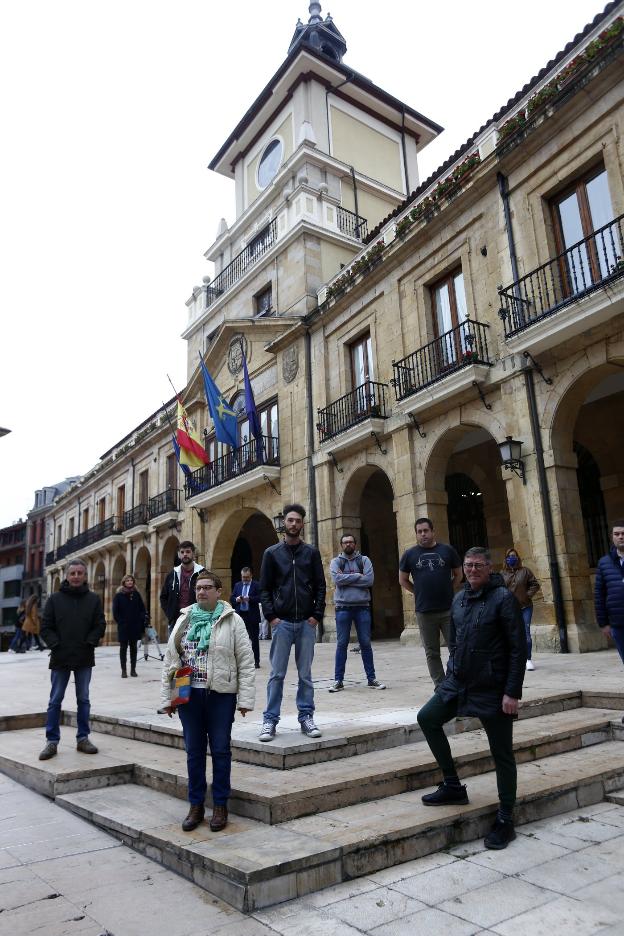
210 638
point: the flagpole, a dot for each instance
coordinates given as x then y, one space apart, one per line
178 397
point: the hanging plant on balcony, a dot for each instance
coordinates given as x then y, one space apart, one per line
514 123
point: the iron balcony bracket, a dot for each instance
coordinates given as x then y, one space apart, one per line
270 483
376 438
487 405
422 434
336 465
538 367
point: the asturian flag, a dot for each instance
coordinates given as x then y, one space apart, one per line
223 417
192 452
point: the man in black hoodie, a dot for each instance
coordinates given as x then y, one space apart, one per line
178 590
487 659
72 626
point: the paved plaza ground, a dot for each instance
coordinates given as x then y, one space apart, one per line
59 875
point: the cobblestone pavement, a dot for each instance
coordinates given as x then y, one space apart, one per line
60 876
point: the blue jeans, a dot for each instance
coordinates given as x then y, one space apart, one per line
361 617
207 719
303 636
60 679
617 633
527 614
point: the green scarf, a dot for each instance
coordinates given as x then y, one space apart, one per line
201 624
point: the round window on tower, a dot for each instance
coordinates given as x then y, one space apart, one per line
270 162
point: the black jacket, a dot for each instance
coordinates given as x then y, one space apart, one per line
609 591
129 614
72 625
292 583
487 647
170 593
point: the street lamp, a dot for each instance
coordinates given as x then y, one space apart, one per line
278 523
510 452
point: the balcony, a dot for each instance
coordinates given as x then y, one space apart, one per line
136 516
94 535
241 263
354 416
566 293
351 224
50 558
240 469
166 502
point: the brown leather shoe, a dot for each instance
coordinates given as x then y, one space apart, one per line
195 816
219 818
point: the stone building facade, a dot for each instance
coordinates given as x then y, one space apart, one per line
399 334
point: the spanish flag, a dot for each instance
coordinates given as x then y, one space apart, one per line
192 452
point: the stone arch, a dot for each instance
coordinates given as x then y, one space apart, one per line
143 574
169 555
368 512
99 582
118 571
56 585
247 524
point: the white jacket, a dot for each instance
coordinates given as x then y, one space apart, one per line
230 661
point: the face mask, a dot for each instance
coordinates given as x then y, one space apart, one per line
512 561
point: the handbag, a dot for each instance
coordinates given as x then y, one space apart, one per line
181 686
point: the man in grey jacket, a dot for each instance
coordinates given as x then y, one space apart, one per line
353 577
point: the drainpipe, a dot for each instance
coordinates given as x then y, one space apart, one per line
403 147
313 525
132 496
328 91
555 577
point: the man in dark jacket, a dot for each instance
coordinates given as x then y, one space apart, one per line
292 592
487 659
178 592
609 589
245 599
73 625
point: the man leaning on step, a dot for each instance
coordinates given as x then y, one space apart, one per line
485 671
73 625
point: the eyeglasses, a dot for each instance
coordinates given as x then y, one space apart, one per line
204 587
475 565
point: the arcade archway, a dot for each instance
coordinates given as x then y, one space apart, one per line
241 541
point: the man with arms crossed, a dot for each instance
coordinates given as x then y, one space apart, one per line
435 570
487 659
292 592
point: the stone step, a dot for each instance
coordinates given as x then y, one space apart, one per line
252 865
274 796
342 737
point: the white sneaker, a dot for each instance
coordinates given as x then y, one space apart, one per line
268 731
309 728
530 665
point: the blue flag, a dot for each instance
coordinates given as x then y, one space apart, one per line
255 428
223 417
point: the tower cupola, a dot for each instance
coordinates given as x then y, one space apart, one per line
319 34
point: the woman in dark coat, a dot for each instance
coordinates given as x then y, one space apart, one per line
129 614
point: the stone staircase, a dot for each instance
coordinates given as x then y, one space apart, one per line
306 814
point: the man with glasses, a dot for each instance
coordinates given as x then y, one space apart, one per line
435 571
487 658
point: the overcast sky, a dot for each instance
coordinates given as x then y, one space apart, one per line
110 113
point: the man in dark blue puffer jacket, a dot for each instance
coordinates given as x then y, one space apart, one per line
609 589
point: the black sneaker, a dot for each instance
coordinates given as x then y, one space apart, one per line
446 795
337 687
500 835
375 684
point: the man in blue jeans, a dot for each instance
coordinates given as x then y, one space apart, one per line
292 594
73 625
353 576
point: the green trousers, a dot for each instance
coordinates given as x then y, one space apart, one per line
499 730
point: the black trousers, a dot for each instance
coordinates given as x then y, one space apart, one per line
253 631
499 730
123 653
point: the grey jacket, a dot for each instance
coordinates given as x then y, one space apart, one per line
352 587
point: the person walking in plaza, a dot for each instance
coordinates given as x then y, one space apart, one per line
210 638
522 583
32 623
72 627
484 676
609 589
245 598
353 576
130 617
178 591
292 592
435 571
20 639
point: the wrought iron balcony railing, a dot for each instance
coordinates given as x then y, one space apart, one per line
166 502
136 516
578 271
110 527
460 347
235 462
368 401
50 558
254 250
351 224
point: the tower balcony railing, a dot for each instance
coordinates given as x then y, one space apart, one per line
242 262
236 462
166 502
457 348
135 516
351 224
368 401
575 273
